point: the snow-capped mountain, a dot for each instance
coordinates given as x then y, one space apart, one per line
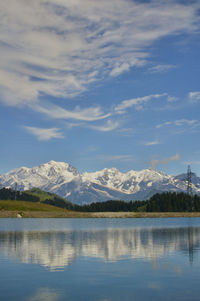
63 179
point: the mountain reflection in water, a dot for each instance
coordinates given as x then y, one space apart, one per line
56 250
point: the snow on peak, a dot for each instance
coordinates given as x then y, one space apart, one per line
108 183
105 176
44 175
57 167
129 182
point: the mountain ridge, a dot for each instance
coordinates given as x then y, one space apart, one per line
84 188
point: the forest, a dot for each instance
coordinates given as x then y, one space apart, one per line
159 202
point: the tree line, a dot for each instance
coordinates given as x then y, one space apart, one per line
159 202
10 194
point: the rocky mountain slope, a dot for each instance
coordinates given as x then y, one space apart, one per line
63 179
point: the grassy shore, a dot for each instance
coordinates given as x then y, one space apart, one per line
75 214
31 209
12 209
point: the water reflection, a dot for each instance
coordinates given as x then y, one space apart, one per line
45 294
56 250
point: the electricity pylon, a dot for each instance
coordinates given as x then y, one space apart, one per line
189 181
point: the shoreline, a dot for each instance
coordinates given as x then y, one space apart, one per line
74 214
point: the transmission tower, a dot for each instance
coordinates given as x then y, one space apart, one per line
189 181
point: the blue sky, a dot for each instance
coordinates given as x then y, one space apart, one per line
100 84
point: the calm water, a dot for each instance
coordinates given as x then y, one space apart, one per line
100 259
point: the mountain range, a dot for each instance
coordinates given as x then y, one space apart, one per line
84 188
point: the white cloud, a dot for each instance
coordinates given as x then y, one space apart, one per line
71 125
194 96
191 163
120 68
161 68
136 102
154 142
59 48
44 134
122 158
182 122
179 122
56 112
164 124
155 162
107 127
172 98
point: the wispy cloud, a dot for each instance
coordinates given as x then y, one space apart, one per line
71 125
161 68
44 134
57 112
136 102
120 68
194 96
191 162
59 48
154 162
110 125
172 98
179 122
122 158
107 126
154 142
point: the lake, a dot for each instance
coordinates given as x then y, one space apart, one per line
100 259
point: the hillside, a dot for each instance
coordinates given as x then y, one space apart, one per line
11 205
13 209
49 198
43 195
34 195
35 198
